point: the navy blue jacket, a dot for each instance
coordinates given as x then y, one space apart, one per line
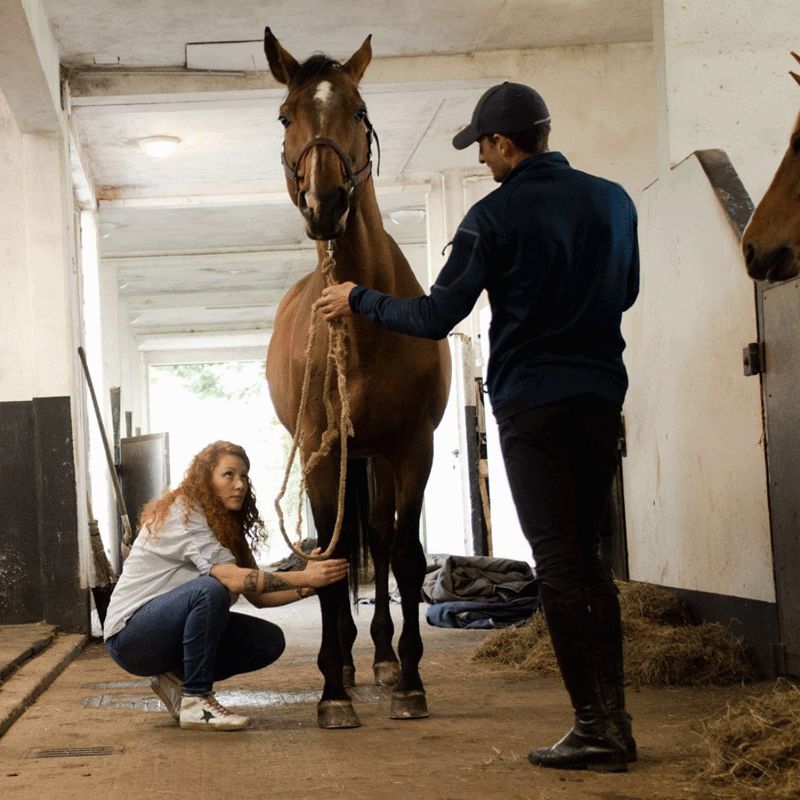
557 252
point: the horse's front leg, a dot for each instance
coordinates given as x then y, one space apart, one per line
347 631
385 667
408 565
335 709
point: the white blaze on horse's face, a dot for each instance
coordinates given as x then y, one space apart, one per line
322 97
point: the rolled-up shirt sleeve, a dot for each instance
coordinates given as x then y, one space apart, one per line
202 547
451 298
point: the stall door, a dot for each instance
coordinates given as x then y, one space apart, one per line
781 320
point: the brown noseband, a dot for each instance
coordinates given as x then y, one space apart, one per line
353 178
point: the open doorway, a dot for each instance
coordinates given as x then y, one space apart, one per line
200 403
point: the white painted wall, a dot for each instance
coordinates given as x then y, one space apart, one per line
34 317
695 482
40 324
725 82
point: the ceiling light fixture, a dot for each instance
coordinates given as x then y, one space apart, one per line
407 216
158 146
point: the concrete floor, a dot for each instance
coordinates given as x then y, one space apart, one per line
109 737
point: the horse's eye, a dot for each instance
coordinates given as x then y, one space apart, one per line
361 114
284 120
796 143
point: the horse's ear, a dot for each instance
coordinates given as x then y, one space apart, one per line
796 57
357 63
282 64
795 76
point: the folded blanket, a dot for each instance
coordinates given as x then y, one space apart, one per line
479 578
476 614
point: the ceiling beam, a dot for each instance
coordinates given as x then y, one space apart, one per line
204 300
256 259
113 86
29 69
135 197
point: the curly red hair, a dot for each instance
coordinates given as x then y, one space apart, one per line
236 530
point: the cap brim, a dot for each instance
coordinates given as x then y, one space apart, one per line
465 138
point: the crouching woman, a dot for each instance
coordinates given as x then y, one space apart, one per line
169 616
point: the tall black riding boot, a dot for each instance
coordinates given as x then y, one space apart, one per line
595 740
604 606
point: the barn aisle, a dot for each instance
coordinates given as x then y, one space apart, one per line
115 739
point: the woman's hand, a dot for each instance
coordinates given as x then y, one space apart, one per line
324 573
335 301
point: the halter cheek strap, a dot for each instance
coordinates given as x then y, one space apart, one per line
353 178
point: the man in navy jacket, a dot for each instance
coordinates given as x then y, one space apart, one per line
556 249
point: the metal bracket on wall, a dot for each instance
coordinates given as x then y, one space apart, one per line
753 358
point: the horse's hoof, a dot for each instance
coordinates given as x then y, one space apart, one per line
337 714
386 673
409 705
348 676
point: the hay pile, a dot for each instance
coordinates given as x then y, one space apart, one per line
754 748
661 647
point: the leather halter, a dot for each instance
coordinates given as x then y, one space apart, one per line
353 178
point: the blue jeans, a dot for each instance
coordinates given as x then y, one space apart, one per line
192 632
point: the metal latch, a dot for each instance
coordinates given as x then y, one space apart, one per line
753 358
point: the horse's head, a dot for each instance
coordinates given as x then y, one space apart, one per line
328 138
771 241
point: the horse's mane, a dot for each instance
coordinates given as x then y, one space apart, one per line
312 68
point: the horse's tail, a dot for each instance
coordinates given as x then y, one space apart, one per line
356 519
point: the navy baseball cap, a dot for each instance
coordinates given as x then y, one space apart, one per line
505 108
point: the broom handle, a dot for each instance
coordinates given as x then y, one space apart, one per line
127 536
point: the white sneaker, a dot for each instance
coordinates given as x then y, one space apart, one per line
206 714
167 686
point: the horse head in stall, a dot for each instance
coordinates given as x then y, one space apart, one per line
771 241
396 386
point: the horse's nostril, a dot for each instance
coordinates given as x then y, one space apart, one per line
749 253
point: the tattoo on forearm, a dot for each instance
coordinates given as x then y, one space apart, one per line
251 582
272 583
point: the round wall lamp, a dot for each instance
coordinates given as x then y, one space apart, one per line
158 146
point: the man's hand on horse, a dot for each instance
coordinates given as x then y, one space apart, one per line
335 301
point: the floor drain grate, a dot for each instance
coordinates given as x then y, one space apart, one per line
70 752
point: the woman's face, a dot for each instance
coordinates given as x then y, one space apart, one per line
229 480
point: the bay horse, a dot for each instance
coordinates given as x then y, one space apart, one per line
771 240
397 385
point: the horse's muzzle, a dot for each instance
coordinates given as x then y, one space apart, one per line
326 216
779 264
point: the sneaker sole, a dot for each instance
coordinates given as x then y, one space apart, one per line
204 726
165 699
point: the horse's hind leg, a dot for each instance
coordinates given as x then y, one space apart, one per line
385 667
408 565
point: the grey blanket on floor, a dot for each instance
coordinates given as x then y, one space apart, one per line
479 578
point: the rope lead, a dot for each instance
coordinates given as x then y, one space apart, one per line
336 359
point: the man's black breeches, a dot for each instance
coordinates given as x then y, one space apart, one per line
560 459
